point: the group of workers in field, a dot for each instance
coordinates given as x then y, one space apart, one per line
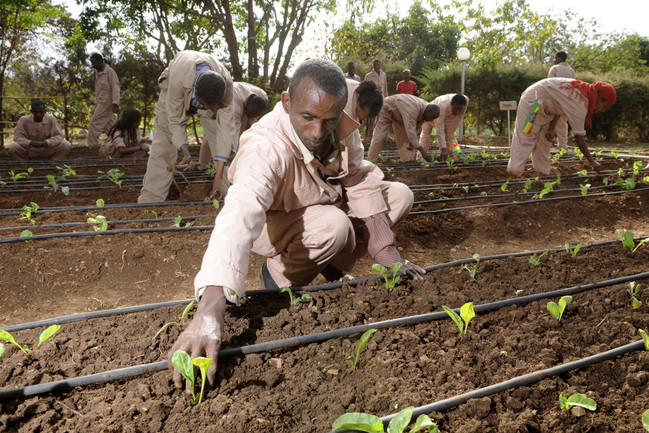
297 187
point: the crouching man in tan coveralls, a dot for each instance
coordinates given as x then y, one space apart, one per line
303 197
38 136
193 83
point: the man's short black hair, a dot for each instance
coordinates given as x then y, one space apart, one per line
97 56
38 103
210 87
324 73
257 103
370 96
458 99
562 55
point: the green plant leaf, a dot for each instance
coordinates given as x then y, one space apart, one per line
2 349
361 343
401 420
187 309
162 328
553 308
65 190
645 338
645 420
183 363
456 318
100 202
203 364
581 400
364 422
636 303
49 332
4 335
424 422
467 313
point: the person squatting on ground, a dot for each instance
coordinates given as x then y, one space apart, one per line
406 86
561 69
364 101
540 108
451 111
107 97
303 197
193 83
38 136
249 103
405 114
124 138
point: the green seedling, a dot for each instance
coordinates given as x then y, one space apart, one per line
484 193
182 316
66 171
17 176
645 338
584 188
177 221
45 335
504 186
637 167
615 154
536 261
214 202
558 156
645 420
392 278
578 154
548 187
185 365
634 292
26 233
297 300
577 400
473 270
99 202
99 220
528 185
114 175
462 320
582 173
210 170
466 188
389 169
353 360
28 211
369 423
151 212
574 250
558 181
52 180
627 238
557 309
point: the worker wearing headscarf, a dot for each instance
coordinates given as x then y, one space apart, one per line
540 108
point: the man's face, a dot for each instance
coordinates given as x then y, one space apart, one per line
314 113
456 109
96 64
602 105
406 76
557 60
251 111
351 68
212 107
431 113
377 66
38 113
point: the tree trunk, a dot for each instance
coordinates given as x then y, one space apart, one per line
2 118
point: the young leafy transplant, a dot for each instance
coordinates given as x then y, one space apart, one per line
182 316
557 310
462 320
365 422
473 270
634 292
392 278
353 360
185 365
297 300
577 400
45 335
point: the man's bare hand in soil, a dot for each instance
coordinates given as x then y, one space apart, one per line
203 334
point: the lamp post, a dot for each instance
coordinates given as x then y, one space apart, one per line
462 55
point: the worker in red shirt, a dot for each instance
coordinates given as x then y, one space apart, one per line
406 85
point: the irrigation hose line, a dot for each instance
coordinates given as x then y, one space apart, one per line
290 342
524 380
248 293
210 227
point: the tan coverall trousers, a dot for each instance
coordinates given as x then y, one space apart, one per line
57 151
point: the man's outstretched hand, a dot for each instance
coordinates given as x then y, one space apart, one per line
413 271
203 334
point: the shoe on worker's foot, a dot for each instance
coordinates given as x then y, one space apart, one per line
332 273
266 279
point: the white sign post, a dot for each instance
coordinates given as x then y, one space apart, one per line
508 106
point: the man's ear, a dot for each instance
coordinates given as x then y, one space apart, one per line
286 101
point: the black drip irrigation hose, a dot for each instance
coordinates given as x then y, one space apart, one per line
292 342
249 293
516 382
425 212
149 220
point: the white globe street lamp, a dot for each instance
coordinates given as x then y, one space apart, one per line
463 55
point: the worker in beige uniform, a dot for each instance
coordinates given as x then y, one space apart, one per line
540 108
303 197
561 69
364 100
38 136
107 97
193 83
405 114
451 111
378 77
249 103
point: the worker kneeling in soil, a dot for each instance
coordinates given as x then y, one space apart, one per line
302 196
540 108
124 138
38 136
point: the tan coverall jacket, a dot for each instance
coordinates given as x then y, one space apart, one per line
562 70
27 130
107 93
445 125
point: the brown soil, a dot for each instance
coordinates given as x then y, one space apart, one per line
304 389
